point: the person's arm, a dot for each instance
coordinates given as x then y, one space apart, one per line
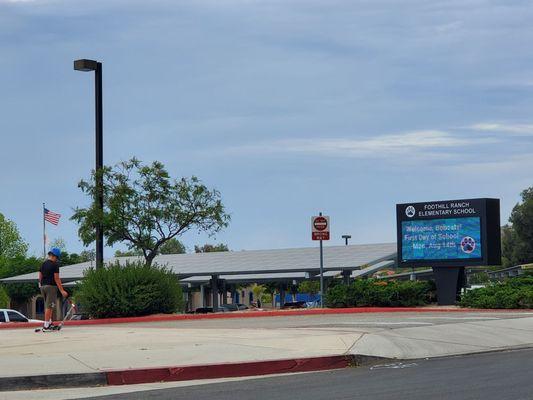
40 278
57 279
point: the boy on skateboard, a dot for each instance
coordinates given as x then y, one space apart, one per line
50 282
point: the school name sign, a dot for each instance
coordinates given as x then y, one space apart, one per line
449 233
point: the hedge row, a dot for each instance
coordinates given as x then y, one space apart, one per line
131 290
375 292
4 298
512 293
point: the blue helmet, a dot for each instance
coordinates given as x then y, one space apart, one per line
55 251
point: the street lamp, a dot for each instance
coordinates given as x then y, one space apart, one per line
91 65
346 237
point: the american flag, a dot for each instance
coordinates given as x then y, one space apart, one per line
51 216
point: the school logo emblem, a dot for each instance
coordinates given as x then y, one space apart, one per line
468 244
410 211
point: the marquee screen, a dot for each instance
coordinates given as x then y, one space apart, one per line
441 239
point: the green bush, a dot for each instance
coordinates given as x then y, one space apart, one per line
380 293
4 298
512 293
131 290
19 292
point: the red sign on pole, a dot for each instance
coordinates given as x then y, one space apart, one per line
320 228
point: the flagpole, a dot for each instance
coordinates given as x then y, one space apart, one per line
44 234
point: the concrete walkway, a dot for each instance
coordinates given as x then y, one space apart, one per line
82 349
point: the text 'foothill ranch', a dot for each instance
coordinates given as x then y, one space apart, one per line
444 209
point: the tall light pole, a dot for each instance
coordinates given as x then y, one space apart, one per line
91 65
346 237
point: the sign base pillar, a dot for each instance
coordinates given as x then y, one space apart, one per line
449 281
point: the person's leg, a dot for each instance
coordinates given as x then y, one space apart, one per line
50 296
48 316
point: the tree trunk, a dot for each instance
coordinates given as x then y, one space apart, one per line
150 257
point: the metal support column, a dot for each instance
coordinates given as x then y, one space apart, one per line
202 295
321 274
99 163
233 294
281 295
214 291
224 292
449 281
346 276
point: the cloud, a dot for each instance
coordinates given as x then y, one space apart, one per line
512 166
516 129
373 147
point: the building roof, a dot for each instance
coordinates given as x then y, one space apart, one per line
285 276
513 268
296 261
419 274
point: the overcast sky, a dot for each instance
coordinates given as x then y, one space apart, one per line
287 107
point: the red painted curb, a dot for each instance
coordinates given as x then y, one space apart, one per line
229 370
260 314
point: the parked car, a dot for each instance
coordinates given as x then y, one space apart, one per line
7 315
228 307
294 304
232 307
203 310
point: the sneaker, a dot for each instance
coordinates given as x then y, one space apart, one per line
48 328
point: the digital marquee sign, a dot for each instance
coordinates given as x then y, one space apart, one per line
449 233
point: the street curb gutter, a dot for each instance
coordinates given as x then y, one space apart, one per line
52 381
233 370
186 373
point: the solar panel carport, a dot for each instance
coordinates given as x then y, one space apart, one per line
255 265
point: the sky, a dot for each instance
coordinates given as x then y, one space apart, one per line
288 108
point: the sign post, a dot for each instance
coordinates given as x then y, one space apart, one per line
320 231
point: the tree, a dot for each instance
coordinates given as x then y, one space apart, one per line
4 298
271 288
75 258
145 208
19 292
88 255
258 291
508 243
211 248
71 258
128 253
11 243
60 244
517 239
173 246
309 287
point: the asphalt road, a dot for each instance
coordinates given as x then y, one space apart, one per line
502 375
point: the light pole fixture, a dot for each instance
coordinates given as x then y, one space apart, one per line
346 237
91 65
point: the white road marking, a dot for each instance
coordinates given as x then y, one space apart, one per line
394 366
382 323
455 318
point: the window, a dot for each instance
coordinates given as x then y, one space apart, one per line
2 317
16 317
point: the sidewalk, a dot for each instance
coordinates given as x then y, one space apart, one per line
176 344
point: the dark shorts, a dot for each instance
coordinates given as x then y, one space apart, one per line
49 293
